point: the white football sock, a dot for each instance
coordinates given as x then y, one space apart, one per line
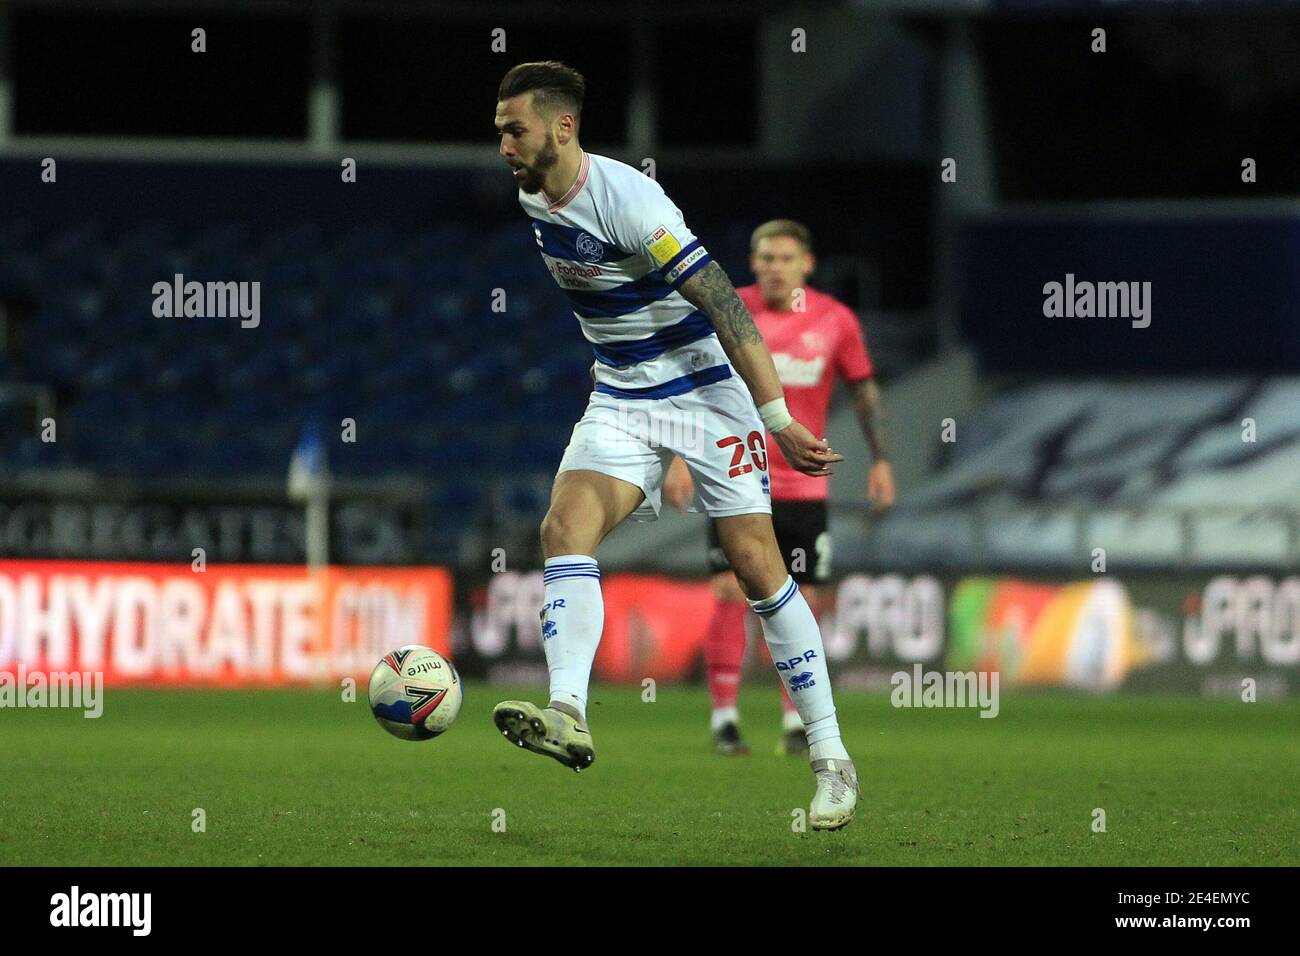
573 617
722 716
790 720
795 641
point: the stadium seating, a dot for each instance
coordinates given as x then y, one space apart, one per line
1150 470
381 338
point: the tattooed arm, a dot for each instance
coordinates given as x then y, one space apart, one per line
710 291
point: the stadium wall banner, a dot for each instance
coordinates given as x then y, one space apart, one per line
654 628
228 625
1215 632
1205 633
1154 631
230 529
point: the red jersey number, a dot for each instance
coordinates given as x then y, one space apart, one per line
757 453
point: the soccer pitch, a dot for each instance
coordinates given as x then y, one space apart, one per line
300 777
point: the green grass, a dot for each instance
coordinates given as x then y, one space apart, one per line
297 777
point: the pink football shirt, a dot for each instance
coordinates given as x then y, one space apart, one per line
809 348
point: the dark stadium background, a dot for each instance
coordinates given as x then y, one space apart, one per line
1023 445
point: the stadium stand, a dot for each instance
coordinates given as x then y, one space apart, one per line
1153 471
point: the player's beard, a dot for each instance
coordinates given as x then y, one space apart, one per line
535 174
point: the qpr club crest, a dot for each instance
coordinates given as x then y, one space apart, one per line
590 248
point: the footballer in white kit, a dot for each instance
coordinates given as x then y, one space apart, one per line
619 250
680 370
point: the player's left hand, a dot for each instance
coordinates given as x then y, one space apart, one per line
812 456
880 486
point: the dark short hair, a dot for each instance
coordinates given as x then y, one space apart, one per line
782 227
554 86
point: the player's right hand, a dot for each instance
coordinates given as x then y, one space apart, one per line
812 456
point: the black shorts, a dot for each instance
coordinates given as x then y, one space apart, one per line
801 533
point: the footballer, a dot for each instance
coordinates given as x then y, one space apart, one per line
673 344
814 338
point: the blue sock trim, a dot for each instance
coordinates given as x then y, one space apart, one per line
774 604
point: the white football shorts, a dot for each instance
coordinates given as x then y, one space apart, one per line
714 428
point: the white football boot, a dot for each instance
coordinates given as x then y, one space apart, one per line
837 794
551 731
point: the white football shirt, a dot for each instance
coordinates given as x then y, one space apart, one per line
619 249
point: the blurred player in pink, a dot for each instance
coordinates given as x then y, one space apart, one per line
813 339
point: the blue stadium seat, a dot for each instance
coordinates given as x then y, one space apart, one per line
389 324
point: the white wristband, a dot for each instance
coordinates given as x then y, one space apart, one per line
775 415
